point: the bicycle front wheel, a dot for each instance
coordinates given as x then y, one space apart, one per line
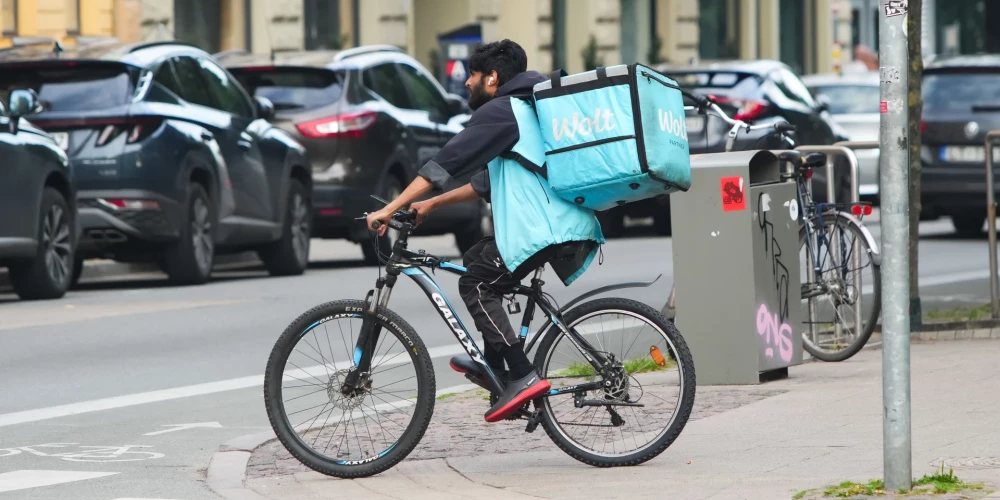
841 287
358 434
641 407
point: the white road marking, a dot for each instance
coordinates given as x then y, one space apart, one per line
181 427
24 479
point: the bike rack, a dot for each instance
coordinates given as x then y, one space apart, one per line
991 221
839 149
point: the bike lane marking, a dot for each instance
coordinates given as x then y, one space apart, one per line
24 479
114 402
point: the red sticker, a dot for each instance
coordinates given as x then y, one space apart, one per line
732 194
883 107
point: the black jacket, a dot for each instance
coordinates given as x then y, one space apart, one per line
490 132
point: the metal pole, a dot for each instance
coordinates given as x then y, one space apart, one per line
895 185
991 222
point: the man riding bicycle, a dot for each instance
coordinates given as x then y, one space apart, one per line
532 225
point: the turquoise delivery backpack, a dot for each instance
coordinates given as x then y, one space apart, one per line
613 136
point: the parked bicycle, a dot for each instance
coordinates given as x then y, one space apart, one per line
836 249
623 381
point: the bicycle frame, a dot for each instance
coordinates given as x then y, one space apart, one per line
412 264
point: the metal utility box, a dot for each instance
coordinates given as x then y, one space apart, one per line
736 268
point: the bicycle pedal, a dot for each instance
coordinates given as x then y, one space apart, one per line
533 420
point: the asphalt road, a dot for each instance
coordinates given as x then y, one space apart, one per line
90 385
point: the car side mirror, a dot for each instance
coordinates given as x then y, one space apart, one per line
265 108
822 103
456 105
22 102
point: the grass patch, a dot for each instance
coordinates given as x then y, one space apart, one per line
446 396
848 489
941 482
961 313
632 367
802 494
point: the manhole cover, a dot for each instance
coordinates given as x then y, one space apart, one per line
969 462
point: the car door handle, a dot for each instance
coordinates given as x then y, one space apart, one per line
207 136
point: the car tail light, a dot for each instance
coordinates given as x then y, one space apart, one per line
346 126
129 204
136 128
746 109
923 127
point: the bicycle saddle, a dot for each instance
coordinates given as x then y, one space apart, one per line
809 160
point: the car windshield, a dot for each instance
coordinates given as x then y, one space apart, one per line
292 88
849 99
961 91
73 87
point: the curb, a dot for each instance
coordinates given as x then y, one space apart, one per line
227 470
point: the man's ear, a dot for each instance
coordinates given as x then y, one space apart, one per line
492 79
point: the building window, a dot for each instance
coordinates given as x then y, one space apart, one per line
322 25
792 29
8 17
72 17
719 29
198 22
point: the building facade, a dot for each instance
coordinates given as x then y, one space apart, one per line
809 35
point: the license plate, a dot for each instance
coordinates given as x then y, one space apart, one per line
695 124
967 154
62 139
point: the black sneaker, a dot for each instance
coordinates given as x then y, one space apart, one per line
516 394
474 371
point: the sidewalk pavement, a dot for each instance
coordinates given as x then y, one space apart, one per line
821 426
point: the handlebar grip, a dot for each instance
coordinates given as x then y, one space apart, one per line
376 225
784 127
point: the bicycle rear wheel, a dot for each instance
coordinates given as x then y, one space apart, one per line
653 368
351 435
849 277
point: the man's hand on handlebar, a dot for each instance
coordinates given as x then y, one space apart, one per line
423 209
382 217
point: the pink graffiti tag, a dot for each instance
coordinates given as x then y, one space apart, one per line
776 334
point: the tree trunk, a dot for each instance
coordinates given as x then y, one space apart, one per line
915 72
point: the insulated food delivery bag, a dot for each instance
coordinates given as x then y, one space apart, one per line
613 136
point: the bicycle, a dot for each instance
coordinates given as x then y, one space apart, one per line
618 388
834 218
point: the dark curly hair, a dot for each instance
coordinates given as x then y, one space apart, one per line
505 57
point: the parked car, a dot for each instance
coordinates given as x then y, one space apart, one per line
754 91
961 97
38 231
852 99
370 118
173 161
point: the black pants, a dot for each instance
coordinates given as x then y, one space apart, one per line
483 286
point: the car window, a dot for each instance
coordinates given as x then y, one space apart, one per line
960 91
426 97
74 87
293 88
744 86
192 85
164 75
385 81
225 91
849 99
792 87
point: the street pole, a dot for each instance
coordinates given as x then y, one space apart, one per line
894 167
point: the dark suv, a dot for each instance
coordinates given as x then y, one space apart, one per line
370 118
757 92
961 97
172 160
37 216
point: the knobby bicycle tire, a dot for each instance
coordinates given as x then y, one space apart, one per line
865 334
391 323
681 354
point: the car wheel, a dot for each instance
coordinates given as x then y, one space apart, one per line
48 274
290 255
189 260
968 225
390 191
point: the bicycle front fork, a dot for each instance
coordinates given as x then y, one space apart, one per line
368 338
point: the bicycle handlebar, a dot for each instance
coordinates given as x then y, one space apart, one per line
704 103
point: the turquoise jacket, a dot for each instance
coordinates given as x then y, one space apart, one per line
504 135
